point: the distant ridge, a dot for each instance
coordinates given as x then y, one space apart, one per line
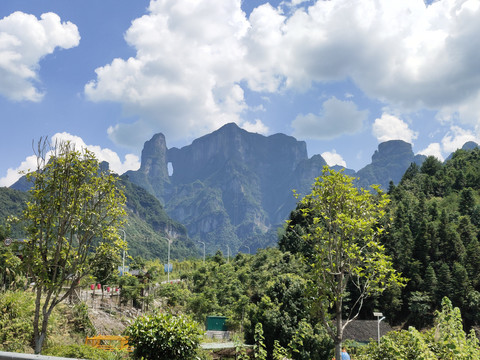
234 188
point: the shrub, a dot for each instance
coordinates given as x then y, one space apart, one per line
446 341
16 314
164 337
84 352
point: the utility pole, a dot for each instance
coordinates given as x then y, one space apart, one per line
123 260
201 242
168 260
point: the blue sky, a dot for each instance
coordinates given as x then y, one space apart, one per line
341 75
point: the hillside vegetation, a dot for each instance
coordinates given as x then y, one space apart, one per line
433 223
147 229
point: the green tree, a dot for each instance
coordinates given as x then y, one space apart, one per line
164 336
345 233
75 207
446 341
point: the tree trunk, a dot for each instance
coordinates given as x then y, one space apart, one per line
338 339
39 343
40 333
36 320
338 317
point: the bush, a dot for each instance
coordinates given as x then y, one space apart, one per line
84 352
446 341
164 337
16 314
81 321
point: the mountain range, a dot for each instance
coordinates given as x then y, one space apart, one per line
232 189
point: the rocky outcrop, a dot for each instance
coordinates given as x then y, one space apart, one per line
153 172
229 186
389 163
232 188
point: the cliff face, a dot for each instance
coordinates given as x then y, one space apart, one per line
389 163
230 186
153 172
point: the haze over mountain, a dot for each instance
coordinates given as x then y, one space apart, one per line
233 187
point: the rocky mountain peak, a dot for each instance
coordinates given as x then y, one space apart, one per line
391 149
389 163
154 158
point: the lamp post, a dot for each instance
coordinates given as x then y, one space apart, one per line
123 259
201 242
380 317
228 254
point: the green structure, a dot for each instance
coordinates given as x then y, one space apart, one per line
216 323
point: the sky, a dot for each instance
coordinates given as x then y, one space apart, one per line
341 75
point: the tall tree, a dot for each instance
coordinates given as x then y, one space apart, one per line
345 233
74 208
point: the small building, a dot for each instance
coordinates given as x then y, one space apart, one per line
217 327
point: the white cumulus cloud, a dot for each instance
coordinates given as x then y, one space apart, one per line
24 41
336 118
184 79
256 127
390 127
456 138
332 158
453 140
130 162
194 60
434 149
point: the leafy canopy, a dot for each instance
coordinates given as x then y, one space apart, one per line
345 233
164 336
75 206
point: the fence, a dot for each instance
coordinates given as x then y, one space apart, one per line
109 342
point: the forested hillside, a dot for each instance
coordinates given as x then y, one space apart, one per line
146 231
434 233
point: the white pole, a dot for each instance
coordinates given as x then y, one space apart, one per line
201 242
378 328
123 260
378 315
228 254
168 262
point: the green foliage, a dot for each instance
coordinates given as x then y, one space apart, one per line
176 294
17 310
398 345
345 233
279 352
281 309
164 336
259 350
11 204
446 341
433 239
81 321
74 206
77 351
311 342
10 267
16 314
129 289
